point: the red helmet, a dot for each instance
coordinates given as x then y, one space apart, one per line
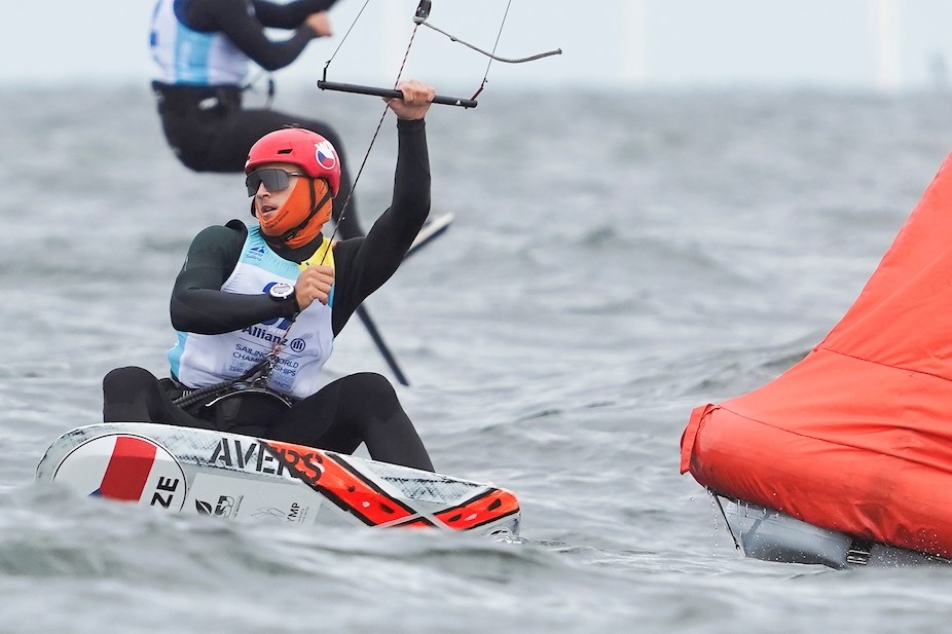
308 150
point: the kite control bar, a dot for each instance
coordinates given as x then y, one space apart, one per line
389 92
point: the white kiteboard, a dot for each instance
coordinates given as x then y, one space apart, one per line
203 472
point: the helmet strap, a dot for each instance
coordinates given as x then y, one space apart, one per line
290 233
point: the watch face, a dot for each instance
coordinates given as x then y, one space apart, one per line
281 290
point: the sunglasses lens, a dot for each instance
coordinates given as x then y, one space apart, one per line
274 180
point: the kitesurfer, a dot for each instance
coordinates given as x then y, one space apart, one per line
203 49
257 309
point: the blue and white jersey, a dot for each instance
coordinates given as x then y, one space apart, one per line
203 360
190 57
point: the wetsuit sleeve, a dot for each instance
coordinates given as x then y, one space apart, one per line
199 305
288 16
237 20
364 264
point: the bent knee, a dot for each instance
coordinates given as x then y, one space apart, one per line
127 379
371 385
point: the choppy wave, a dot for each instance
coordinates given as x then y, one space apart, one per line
616 260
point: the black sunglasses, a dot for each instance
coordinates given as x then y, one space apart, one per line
274 180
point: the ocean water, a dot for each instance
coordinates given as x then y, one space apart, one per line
616 260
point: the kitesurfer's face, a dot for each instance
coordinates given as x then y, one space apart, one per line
269 202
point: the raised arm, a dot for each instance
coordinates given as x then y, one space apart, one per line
246 29
290 15
364 264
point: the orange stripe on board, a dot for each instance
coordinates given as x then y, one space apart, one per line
341 484
485 508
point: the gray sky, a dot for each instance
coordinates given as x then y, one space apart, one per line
888 44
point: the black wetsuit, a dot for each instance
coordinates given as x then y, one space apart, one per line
207 127
357 408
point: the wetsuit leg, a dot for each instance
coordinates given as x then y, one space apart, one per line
236 132
358 408
131 395
135 395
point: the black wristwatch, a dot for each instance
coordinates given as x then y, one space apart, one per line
281 291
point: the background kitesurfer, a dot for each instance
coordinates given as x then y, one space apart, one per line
203 49
257 309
